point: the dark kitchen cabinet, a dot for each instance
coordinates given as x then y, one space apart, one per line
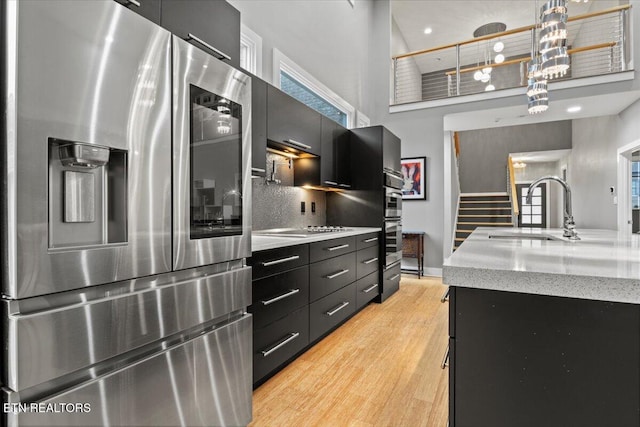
279 342
212 25
390 150
302 292
150 9
274 261
332 168
258 127
326 249
328 312
291 125
332 274
533 360
276 296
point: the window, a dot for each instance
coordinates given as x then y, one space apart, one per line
295 81
305 95
635 185
250 51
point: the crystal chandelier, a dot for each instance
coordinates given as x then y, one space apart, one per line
554 61
537 91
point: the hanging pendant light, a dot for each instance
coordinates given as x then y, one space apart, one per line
554 60
538 104
555 63
537 90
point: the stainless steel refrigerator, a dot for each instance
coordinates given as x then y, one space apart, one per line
125 223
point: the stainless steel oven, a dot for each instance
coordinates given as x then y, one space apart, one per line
392 203
393 241
212 151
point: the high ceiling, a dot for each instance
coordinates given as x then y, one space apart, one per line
455 20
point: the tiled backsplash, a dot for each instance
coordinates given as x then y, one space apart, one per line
278 205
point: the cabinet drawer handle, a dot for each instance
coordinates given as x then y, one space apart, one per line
279 297
292 336
337 309
370 288
394 277
369 261
134 2
445 359
299 144
344 185
208 46
339 273
395 195
335 248
258 170
373 239
331 183
280 261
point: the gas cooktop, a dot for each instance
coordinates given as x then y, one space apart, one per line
302 232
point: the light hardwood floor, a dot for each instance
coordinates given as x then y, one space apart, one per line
381 368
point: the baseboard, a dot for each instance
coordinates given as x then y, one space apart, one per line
427 271
430 271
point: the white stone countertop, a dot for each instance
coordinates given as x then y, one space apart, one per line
604 265
261 242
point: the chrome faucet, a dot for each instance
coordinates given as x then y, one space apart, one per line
569 225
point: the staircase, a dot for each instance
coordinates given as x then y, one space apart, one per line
481 210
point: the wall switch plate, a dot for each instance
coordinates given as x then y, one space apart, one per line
302 207
313 207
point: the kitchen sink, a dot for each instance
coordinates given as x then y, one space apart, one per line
525 236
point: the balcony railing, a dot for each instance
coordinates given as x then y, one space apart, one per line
599 44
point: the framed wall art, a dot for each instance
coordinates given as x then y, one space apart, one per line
414 170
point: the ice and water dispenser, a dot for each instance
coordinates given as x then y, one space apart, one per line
87 195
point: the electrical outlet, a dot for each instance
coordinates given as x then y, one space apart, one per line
313 207
303 208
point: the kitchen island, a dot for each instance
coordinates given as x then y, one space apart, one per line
544 331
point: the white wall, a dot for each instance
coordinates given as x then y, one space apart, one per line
327 38
406 69
592 167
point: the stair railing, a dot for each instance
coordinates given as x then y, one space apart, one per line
513 193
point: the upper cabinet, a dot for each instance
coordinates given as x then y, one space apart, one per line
291 125
150 9
332 168
390 150
258 126
212 25
334 160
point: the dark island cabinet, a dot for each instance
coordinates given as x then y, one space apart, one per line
150 9
522 360
291 125
258 127
301 293
212 25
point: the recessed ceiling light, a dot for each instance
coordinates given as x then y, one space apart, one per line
428 30
574 109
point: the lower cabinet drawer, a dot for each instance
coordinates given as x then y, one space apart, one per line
275 344
330 275
331 310
367 261
276 296
367 289
391 280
